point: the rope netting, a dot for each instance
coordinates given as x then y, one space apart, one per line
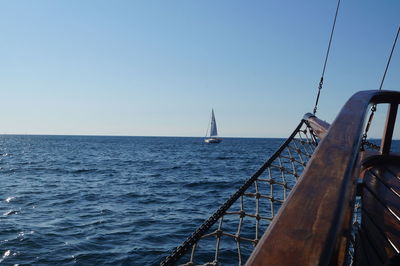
231 233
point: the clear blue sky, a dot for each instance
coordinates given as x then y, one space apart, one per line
158 67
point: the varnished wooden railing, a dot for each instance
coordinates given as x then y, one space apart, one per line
313 225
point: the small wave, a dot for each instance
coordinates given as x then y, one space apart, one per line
133 195
168 168
10 212
22 234
84 171
9 199
224 158
200 184
106 211
5 255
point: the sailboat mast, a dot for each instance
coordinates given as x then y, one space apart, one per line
208 127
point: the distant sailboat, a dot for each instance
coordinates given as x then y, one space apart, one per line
213 136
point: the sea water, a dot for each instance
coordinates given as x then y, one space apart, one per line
88 200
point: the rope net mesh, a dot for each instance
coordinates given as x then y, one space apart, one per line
231 233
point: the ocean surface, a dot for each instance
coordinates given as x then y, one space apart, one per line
85 200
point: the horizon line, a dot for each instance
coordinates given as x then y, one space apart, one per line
106 135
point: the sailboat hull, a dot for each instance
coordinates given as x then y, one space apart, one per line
212 140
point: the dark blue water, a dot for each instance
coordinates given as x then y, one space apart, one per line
113 200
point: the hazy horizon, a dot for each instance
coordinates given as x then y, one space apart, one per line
154 136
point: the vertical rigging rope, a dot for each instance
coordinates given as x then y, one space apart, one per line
321 82
373 108
390 58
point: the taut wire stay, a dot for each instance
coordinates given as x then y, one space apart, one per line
373 108
321 82
390 58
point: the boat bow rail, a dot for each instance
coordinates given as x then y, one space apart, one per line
314 225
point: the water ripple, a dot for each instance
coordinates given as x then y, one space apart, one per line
113 200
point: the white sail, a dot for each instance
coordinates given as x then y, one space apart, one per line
213 130
213 136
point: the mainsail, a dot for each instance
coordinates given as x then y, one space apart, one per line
213 130
213 136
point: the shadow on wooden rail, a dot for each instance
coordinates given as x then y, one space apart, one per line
313 225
